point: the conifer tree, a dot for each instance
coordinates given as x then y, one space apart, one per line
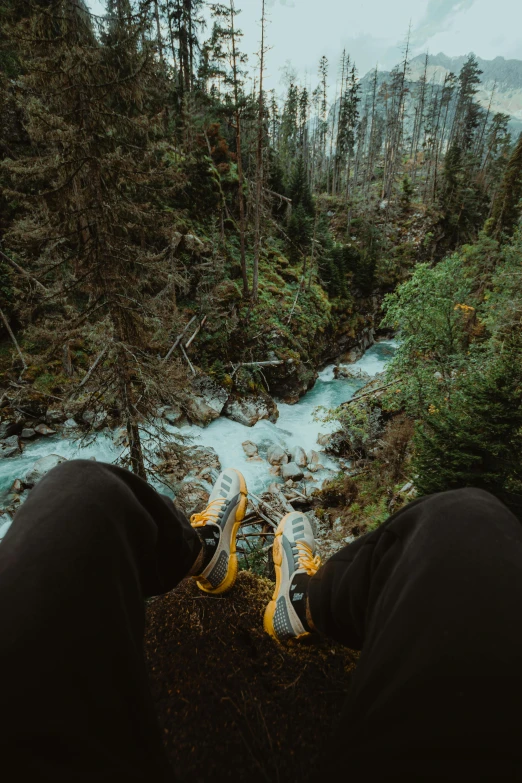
507 206
92 193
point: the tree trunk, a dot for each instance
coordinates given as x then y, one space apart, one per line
259 164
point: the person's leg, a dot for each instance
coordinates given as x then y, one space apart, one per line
434 600
88 545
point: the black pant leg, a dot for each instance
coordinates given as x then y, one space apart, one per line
434 600
89 544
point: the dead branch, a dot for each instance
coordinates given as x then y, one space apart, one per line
13 338
202 324
369 393
23 271
183 351
178 340
93 367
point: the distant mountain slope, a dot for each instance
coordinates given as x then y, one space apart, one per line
501 78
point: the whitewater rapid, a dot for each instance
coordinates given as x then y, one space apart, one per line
297 425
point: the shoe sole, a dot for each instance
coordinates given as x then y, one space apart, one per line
277 554
230 579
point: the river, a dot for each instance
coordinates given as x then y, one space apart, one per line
296 426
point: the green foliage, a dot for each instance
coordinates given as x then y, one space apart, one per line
477 440
458 369
507 206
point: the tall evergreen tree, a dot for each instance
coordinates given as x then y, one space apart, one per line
507 206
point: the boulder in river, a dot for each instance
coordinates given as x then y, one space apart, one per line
276 455
9 447
55 415
95 419
291 471
312 457
28 433
250 410
172 414
43 429
41 467
205 402
298 455
250 448
345 371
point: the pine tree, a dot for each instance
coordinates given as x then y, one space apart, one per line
477 440
91 193
507 206
231 70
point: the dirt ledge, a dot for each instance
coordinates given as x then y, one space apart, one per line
232 703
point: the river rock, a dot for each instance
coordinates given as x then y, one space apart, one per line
345 371
70 424
312 458
43 429
17 487
275 470
41 467
193 497
250 410
9 447
206 402
276 455
55 415
250 448
94 419
291 471
28 433
172 414
298 455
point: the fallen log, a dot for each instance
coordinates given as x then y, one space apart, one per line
202 324
93 367
178 340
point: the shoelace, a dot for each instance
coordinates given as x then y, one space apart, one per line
210 514
306 559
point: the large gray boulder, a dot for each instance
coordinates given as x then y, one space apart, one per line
55 415
276 455
95 419
172 414
250 410
312 457
250 448
41 467
9 447
291 471
205 402
43 429
345 371
298 455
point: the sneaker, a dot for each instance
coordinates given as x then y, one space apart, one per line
295 562
221 520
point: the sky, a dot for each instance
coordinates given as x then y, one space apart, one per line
299 32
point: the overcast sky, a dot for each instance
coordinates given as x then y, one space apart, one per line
301 31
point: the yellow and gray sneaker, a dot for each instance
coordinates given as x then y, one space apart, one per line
295 561
217 527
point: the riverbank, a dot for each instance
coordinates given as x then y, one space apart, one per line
296 427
